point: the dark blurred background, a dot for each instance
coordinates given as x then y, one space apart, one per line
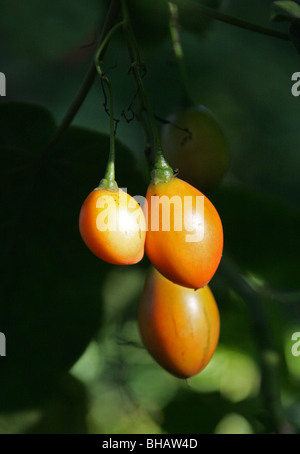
75 363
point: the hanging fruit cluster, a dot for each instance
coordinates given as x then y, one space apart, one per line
179 228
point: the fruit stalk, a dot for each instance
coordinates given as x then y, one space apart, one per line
162 171
108 182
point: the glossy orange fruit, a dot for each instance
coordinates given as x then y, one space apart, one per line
112 225
179 326
188 249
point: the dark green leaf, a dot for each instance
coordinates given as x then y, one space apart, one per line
184 415
25 126
51 283
262 234
66 411
285 10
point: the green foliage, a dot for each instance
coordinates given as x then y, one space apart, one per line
285 10
177 415
261 234
290 12
51 284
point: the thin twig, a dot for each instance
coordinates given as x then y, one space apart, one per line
222 17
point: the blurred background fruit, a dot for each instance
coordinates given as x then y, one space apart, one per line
195 144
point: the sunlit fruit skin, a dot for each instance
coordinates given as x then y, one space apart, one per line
188 263
202 153
179 326
120 243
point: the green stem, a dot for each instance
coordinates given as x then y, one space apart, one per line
178 51
162 171
103 45
108 182
217 15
